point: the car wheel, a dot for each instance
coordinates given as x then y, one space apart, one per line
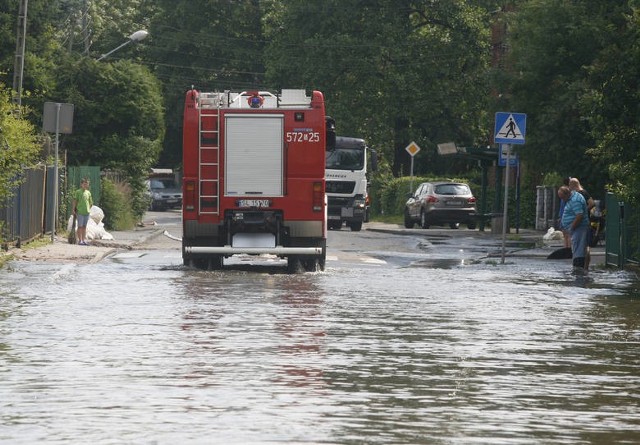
454 225
423 220
408 222
471 226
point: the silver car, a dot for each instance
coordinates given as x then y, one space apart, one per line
441 203
164 194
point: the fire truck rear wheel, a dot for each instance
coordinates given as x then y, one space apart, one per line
294 264
312 264
215 262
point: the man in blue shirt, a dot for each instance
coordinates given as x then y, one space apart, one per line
575 220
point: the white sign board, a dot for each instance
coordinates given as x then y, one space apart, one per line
57 118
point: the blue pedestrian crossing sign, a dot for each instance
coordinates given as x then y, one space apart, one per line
510 128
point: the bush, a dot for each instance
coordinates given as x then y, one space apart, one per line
116 204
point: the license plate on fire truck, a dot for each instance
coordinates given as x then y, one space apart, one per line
249 203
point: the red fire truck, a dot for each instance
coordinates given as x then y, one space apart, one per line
253 177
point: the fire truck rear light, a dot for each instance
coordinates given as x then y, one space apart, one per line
318 196
189 197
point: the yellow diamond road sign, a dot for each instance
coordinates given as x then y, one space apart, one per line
412 149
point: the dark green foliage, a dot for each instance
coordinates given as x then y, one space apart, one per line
18 145
213 45
392 72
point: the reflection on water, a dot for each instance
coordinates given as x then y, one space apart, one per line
132 352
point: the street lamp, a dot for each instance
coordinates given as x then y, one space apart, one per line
135 37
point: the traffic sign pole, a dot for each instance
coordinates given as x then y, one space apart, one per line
411 181
412 149
505 211
510 128
57 118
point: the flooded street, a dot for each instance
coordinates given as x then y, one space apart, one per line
397 342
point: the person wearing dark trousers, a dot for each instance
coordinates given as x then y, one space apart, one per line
574 185
575 219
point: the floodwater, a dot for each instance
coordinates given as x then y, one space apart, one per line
137 349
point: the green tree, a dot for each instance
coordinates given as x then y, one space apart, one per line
18 144
118 118
391 71
111 22
610 101
553 42
43 40
210 44
117 105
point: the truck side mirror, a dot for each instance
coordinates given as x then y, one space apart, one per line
374 160
331 133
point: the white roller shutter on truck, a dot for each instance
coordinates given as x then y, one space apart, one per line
254 155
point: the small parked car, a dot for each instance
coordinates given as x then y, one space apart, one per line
441 203
164 193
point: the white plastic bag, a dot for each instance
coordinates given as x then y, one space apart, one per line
553 234
96 214
95 226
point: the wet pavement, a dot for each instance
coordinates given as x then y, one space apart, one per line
525 244
408 337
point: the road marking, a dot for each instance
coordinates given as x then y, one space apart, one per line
370 260
357 259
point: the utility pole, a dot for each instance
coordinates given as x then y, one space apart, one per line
18 68
86 28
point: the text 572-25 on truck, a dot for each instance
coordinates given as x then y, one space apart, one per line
253 180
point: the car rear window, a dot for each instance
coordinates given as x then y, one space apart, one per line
452 189
162 184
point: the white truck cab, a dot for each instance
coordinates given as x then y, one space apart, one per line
346 182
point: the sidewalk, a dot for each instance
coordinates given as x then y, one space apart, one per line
61 251
527 243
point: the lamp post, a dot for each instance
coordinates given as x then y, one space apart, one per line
135 37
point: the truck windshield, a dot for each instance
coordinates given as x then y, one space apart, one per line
345 159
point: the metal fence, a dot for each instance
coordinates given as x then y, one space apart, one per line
547 207
24 214
622 233
75 174
28 212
